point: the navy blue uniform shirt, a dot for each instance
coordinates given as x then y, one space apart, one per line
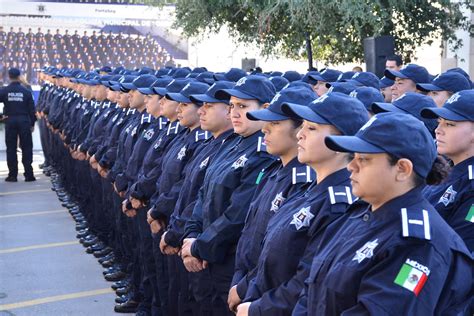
18 101
280 270
219 214
279 183
454 200
402 259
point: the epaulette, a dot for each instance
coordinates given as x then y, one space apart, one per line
415 223
173 128
303 174
162 121
261 146
470 171
341 194
146 118
199 136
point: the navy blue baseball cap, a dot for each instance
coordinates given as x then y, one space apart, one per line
181 73
124 79
210 95
274 112
193 87
234 74
342 87
399 135
327 75
307 77
175 85
345 113
385 82
368 96
292 75
300 83
142 81
206 77
409 103
345 76
252 87
279 82
459 107
416 73
104 80
162 72
365 79
14 72
447 81
159 83
462 72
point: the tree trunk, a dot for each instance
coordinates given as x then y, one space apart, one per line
309 51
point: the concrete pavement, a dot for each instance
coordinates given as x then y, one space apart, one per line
43 268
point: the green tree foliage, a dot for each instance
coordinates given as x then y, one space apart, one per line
336 28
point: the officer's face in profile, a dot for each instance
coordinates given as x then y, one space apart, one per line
87 92
238 110
153 104
455 139
136 99
214 117
188 115
401 86
280 137
320 88
111 95
373 178
169 108
440 97
123 100
311 147
100 92
387 94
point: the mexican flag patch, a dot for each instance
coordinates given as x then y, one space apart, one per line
412 276
470 214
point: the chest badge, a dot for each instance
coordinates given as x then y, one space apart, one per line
302 218
277 202
366 251
182 153
448 196
239 163
204 163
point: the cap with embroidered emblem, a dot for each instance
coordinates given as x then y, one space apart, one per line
459 107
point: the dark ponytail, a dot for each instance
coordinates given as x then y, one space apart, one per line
439 171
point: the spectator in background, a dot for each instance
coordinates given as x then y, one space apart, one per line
394 62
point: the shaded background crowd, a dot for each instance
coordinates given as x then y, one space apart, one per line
32 50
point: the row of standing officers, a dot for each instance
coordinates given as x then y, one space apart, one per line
232 198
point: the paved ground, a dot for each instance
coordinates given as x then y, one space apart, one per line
43 268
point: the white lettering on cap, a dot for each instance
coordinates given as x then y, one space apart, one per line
321 98
369 122
454 98
241 81
275 98
353 94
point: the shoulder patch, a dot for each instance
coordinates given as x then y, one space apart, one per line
261 146
240 162
341 194
416 223
303 174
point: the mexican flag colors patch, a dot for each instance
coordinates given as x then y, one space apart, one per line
470 215
412 276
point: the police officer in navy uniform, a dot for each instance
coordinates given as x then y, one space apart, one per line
281 268
284 179
397 256
454 198
19 116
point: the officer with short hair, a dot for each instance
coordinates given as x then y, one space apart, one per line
19 120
